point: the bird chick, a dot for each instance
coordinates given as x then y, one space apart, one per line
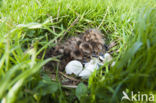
96 39
86 48
68 50
94 35
67 47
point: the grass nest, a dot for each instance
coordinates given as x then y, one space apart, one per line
82 47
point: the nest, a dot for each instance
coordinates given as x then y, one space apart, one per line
82 48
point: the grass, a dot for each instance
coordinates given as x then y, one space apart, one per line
29 27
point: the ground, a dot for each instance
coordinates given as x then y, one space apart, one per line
30 27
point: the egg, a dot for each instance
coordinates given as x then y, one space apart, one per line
89 68
74 67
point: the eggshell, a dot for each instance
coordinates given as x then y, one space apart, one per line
73 67
89 68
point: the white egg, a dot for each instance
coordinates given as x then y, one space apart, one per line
73 67
92 65
89 68
85 73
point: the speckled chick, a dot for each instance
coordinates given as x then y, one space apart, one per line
96 39
69 50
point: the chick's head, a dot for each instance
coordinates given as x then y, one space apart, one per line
85 48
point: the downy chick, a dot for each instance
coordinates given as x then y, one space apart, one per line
96 39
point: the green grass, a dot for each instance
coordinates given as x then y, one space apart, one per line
29 27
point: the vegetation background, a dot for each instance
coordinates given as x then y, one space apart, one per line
29 27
